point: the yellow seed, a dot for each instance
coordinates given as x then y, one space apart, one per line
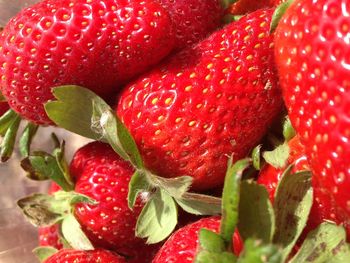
168 101
154 101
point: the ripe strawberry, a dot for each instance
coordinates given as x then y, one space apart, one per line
49 236
3 107
322 208
89 256
206 103
182 245
312 53
193 20
98 44
242 7
105 178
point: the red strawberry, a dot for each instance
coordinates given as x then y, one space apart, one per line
322 209
89 256
49 236
242 7
98 44
105 178
193 20
312 53
206 103
3 107
182 245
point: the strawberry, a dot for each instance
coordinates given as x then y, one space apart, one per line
105 178
3 107
98 44
205 103
89 256
49 236
193 20
242 7
322 209
312 54
182 245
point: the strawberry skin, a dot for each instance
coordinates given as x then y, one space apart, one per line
105 178
206 103
98 44
182 245
88 256
193 20
312 53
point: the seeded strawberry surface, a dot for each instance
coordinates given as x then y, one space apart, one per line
193 20
312 52
89 256
95 44
206 103
105 178
183 245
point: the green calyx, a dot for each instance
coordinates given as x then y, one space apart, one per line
278 14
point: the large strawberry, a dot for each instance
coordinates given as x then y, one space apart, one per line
81 256
98 44
182 246
312 53
105 177
193 20
206 103
322 209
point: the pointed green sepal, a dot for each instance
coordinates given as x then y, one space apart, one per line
43 253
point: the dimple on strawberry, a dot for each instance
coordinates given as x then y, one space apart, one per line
312 54
96 44
206 103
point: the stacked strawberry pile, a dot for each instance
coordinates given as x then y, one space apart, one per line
211 142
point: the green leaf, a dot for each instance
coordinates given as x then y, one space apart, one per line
138 184
256 214
6 120
72 198
227 3
278 157
37 208
43 253
211 241
158 218
74 235
26 139
7 145
81 111
175 187
205 256
327 243
59 155
288 130
41 166
74 110
278 14
257 252
293 201
199 204
230 198
256 157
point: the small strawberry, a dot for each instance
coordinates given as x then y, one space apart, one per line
312 54
95 44
206 103
89 256
322 209
193 20
104 176
49 236
182 246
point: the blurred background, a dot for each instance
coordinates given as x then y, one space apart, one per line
18 237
